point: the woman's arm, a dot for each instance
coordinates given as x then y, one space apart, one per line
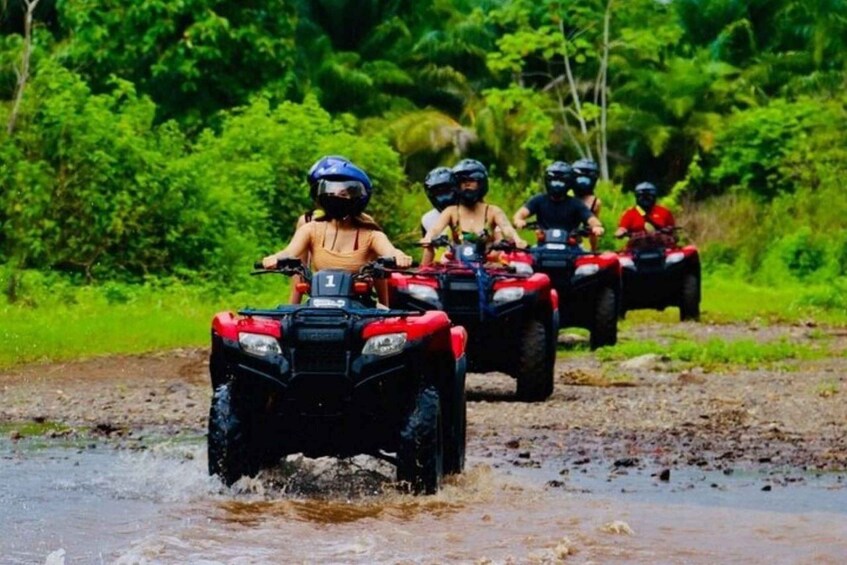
501 221
443 221
297 247
381 245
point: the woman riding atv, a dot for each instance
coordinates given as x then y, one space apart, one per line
343 238
472 218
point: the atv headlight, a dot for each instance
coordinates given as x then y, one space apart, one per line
508 294
259 344
385 344
423 292
585 270
674 257
521 268
627 263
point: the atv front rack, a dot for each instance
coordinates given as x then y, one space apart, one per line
358 313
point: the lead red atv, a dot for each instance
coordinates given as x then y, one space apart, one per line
337 376
658 272
588 284
511 315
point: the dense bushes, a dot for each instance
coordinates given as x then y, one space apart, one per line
91 185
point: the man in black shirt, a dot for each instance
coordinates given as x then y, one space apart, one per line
556 209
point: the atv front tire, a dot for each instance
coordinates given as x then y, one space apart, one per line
689 305
534 372
230 455
605 329
420 455
455 429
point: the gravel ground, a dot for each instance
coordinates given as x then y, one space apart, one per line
653 413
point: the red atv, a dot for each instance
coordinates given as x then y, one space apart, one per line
511 314
337 376
588 284
658 272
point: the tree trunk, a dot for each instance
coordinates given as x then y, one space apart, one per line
23 72
604 110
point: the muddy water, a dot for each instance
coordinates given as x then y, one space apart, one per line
102 505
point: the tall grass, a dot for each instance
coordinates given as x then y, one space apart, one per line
119 319
58 320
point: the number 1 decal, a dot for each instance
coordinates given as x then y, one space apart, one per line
330 281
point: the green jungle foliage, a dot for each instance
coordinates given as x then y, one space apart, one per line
171 139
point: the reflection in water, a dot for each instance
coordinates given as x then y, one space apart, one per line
159 506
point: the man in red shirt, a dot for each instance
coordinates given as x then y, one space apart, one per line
646 215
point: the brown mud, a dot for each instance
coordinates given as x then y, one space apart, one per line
651 415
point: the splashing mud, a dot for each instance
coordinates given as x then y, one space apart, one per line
159 505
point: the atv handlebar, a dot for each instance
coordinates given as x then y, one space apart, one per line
581 231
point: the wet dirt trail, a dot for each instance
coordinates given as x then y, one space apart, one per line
665 464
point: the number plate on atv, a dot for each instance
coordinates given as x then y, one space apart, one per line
329 302
320 334
555 246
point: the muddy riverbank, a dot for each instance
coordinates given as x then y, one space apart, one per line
631 460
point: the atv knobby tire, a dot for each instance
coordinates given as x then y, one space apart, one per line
455 422
534 371
420 454
605 327
689 304
230 455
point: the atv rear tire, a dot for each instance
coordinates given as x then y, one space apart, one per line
456 422
230 456
689 304
534 372
605 329
420 455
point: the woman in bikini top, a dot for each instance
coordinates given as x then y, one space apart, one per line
471 216
344 238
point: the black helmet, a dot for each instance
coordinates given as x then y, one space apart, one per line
586 173
319 168
558 178
343 190
645 195
471 169
440 187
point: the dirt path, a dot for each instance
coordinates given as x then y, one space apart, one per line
794 416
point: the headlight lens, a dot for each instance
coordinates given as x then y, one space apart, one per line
259 344
585 270
509 294
627 263
423 292
674 257
521 268
385 344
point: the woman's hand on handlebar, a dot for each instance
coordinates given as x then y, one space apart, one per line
270 262
403 260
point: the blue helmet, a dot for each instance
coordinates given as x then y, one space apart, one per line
558 178
440 188
471 170
317 171
343 190
586 172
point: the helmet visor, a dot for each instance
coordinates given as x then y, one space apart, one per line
341 188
